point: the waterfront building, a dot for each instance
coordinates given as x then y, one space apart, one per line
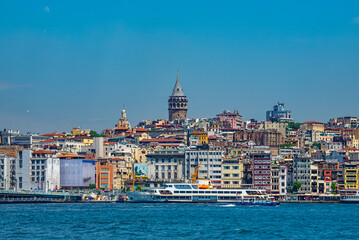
275 179
177 103
232 173
261 170
279 114
314 180
7 172
351 175
104 175
122 171
283 174
210 162
77 173
234 119
165 166
301 172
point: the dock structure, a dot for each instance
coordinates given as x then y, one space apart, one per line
37 197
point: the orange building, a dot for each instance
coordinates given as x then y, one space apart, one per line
104 175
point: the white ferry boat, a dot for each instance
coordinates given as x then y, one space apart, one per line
349 196
190 193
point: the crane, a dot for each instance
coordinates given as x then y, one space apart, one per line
194 175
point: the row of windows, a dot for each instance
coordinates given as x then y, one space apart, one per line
233 175
203 153
262 177
169 167
205 160
209 192
262 172
229 167
260 182
259 167
262 161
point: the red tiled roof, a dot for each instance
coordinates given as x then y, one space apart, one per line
159 140
41 152
53 135
312 122
121 128
109 143
230 114
48 140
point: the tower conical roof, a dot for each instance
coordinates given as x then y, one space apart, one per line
177 90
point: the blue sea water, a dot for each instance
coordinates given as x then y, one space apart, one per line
178 221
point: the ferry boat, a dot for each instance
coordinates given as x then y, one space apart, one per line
190 193
258 200
349 196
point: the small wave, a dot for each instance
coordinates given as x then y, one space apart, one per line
229 205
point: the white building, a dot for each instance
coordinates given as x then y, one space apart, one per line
165 165
210 162
283 179
7 172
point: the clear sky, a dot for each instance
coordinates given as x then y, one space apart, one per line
67 64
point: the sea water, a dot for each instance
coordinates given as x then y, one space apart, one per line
178 221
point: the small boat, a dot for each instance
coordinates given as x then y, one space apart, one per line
257 200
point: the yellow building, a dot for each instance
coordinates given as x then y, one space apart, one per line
84 139
351 178
78 132
232 173
201 136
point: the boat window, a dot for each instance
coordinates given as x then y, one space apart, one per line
239 192
207 191
188 192
176 191
233 192
182 186
215 192
226 192
220 191
195 191
182 192
194 186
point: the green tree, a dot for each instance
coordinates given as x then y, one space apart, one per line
92 186
296 186
95 134
294 126
316 145
138 188
334 188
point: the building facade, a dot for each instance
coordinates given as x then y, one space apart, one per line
261 169
210 162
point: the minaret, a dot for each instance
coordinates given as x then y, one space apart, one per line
177 103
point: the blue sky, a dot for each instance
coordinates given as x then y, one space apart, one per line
67 64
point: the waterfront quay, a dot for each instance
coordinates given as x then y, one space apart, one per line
37 197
